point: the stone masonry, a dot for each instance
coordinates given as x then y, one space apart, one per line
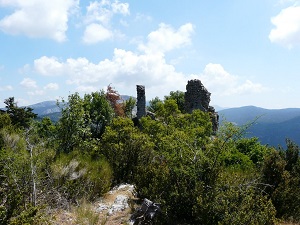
197 97
141 101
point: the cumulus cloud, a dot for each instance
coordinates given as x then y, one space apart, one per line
38 18
221 82
287 27
48 66
95 33
98 19
166 38
28 83
127 68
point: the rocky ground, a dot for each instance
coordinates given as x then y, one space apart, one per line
114 208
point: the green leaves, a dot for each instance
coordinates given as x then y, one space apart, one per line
125 148
83 121
20 116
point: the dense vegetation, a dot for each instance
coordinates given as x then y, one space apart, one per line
173 159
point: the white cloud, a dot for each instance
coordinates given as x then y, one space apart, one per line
6 88
95 33
98 19
38 18
166 38
97 11
51 87
220 82
287 27
28 83
103 11
122 8
126 69
48 66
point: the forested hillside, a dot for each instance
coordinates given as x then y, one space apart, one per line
172 157
271 126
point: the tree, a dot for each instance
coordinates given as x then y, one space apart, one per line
4 120
83 121
126 149
115 100
291 155
128 106
73 126
20 116
178 96
100 112
153 104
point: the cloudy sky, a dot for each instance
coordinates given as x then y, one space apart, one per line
244 52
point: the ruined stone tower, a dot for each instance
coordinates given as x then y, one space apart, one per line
197 97
141 101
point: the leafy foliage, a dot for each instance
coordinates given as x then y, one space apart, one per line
20 116
128 107
174 159
114 99
178 97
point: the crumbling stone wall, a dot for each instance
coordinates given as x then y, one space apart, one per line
197 97
141 101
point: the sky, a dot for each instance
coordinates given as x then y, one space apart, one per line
244 52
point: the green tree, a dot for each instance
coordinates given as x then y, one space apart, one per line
125 148
253 149
129 106
73 126
99 110
291 155
4 120
153 104
83 121
273 171
178 96
20 116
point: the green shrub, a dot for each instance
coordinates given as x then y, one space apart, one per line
78 176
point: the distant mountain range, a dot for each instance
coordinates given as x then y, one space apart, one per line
271 126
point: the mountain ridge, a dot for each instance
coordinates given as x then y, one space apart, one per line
271 126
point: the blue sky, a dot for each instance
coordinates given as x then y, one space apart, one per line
244 52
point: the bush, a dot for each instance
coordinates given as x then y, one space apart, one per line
77 176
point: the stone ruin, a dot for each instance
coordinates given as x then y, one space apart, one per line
141 101
195 97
